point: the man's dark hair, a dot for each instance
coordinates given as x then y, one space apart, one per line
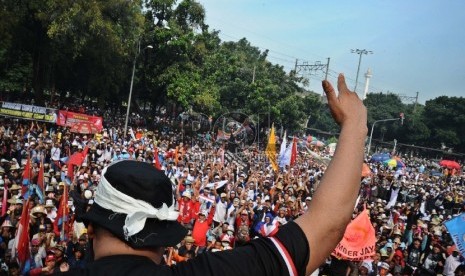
460 268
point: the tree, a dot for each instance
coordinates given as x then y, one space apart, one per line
445 117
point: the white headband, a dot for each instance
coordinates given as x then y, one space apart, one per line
137 211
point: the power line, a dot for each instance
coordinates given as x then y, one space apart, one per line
355 82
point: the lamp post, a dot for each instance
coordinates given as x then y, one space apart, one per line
130 88
360 53
373 127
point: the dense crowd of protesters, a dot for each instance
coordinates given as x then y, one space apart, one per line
223 202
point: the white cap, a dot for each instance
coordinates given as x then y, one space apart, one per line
88 194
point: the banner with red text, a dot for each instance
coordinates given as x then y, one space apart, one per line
359 240
69 119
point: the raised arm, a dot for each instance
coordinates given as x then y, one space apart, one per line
332 205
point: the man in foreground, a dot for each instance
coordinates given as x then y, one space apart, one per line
132 219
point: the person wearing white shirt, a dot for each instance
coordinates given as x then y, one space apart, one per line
55 155
220 210
451 263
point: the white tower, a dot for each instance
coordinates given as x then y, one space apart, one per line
368 75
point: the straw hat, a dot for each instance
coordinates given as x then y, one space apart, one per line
38 209
189 239
15 200
15 187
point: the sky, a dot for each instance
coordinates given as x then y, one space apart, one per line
417 45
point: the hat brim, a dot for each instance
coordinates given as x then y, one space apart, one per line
156 233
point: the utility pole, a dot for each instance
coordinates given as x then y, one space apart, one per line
360 53
373 128
309 68
416 102
327 69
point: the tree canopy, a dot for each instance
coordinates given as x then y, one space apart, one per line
87 48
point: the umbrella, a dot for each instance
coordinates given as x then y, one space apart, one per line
380 157
84 128
450 164
394 163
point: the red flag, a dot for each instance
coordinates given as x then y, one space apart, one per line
26 176
157 160
4 202
40 177
62 215
21 244
76 160
176 156
293 151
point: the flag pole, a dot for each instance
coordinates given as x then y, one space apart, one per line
43 177
64 205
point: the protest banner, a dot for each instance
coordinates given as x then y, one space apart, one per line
456 228
359 240
69 119
28 112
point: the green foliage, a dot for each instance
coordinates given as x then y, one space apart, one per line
445 117
331 140
88 47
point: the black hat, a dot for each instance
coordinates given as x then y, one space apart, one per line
142 183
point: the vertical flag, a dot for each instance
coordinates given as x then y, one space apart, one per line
271 149
76 160
293 151
62 215
286 159
40 177
156 158
26 176
282 150
21 244
176 156
221 154
456 228
4 202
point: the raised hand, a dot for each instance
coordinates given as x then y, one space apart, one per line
346 108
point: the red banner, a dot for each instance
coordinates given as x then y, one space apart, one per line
69 119
359 240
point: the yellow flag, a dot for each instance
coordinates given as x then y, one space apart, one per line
271 149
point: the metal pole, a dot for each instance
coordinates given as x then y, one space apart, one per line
373 127
371 136
132 83
327 69
130 92
358 70
360 53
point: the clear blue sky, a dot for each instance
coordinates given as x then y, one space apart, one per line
417 45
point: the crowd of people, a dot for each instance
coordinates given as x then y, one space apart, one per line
222 202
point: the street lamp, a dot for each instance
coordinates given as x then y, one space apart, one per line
360 53
132 83
373 127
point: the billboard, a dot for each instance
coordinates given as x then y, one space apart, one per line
69 119
29 112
